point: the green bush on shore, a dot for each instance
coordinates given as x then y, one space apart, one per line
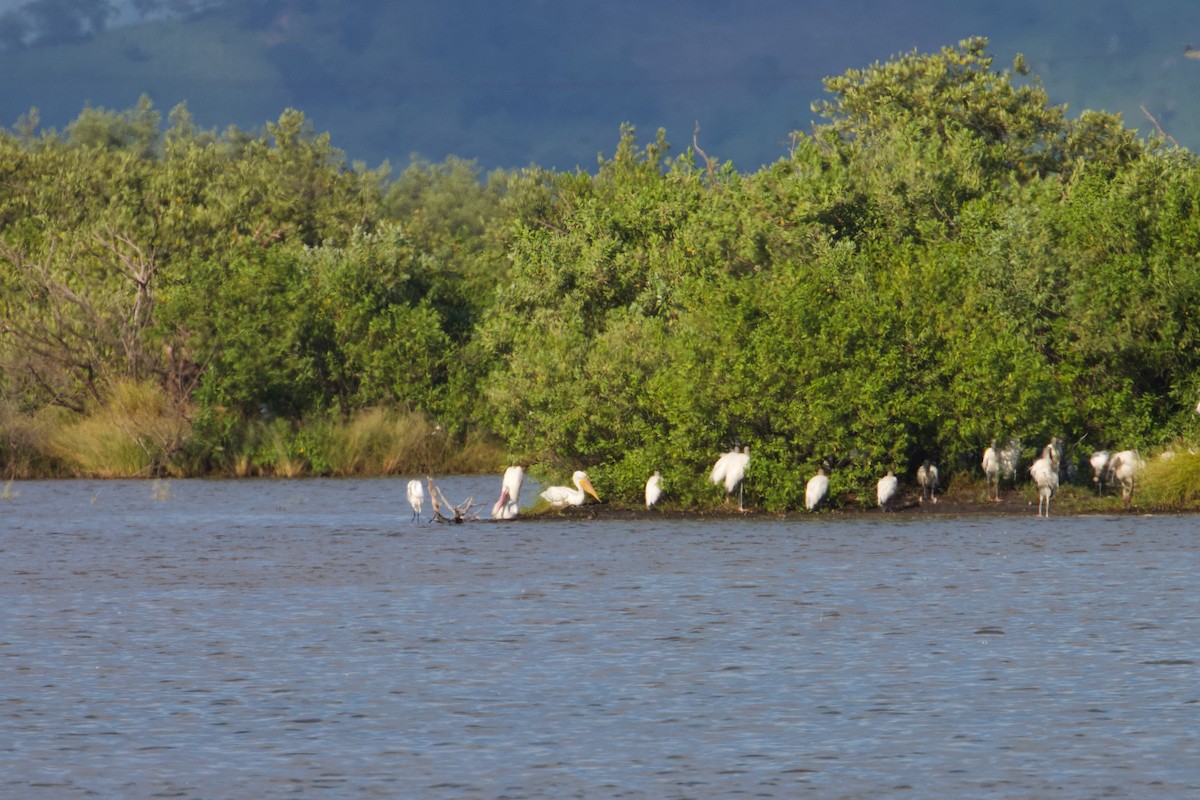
944 259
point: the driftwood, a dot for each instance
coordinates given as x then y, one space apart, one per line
463 512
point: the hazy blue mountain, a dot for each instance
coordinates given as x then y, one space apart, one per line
514 82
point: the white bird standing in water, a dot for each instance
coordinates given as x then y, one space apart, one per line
560 496
730 469
1046 477
416 498
508 506
816 490
654 490
927 478
991 471
886 489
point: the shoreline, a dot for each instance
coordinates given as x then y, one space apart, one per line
962 504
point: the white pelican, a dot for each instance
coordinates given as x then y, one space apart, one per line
730 469
654 490
1123 468
559 496
818 487
416 498
1099 462
927 478
991 471
508 506
886 489
1046 477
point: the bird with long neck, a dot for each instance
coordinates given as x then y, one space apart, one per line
562 496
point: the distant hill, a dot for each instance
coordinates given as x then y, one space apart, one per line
550 81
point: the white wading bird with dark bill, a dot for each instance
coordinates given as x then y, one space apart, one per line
991 471
416 498
730 470
1045 475
1099 462
508 506
562 496
927 479
654 491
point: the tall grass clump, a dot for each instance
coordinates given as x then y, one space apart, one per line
371 442
1171 482
135 432
379 441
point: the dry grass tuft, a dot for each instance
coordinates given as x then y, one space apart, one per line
135 432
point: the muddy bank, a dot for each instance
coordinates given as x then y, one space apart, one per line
961 503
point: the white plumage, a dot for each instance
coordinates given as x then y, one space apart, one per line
1010 457
509 504
1099 462
560 496
817 489
886 489
416 498
730 470
1045 476
654 490
1123 468
991 471
927 479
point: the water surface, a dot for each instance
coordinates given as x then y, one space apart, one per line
304 638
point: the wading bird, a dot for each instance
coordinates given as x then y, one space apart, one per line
730 470
1010 457
991 471
654 490
1099 462
817 489
560 496
1046 477
927 479
508 506
416 498
1123 468
886 489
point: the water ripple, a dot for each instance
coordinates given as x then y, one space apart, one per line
298 637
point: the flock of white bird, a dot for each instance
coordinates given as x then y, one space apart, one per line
730 471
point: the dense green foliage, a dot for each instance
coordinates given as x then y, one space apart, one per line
945 260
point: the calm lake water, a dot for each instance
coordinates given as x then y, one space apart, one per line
222 639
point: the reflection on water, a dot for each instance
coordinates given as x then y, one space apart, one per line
223 639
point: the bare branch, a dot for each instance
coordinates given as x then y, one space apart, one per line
1161 132
709 163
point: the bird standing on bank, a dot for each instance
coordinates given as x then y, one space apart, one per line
1123 468
1099 462
1045 475
654 490
730 470
886 489
927 479
817 489
991 471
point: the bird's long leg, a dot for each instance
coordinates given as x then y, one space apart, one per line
741 505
